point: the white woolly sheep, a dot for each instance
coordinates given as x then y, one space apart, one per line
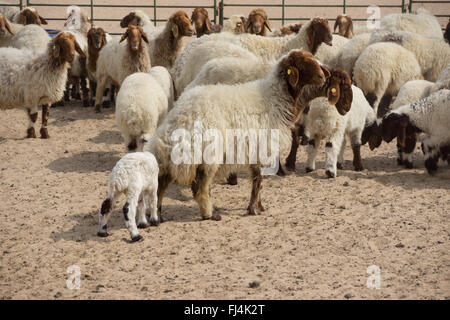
429 115
261 104
235 24
142 103
432 54
136 176
29 81
382 69
328 54
350 52
198 52
26 16
117 60
422 22
324 122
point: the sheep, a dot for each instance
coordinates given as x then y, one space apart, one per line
138 18
235 24
117 60
429 115
198 52
136 176
422 22
322 122
345 24
26 16
261 104
287 30
29 81
203 25
447 32
257 22
350 52
142 104
329 54
411 91
432 54
382 69
443 82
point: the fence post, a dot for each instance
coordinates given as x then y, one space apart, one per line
282 13
215 11
92 11
21 4
28 3
221 12
345 6
410 5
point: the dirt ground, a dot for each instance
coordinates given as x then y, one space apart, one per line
316 239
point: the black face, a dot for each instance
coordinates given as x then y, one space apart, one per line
391 125
372 134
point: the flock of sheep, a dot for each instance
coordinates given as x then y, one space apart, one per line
301 79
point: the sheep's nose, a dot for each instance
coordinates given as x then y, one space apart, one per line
256 28
320 78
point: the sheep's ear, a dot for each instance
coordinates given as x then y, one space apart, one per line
293 75
124 36
56 49
78 49
174 29
208 24
374 141
336 24
326 72
43 21
144 36
267 24
248 25
7 26
104 41
23 18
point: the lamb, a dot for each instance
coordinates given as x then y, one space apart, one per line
117 60
29 81
382 69
322 122
165 45
138 18
136 176
261 104
345 24
142 103
350 52
200 18
198 52
422 22
432 54
26 16
258 22
429 115
235 24
410 92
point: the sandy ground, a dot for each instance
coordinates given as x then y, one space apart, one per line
316 239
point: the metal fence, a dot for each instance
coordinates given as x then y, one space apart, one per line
219 8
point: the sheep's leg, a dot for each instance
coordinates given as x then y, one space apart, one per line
431 150
92 89
385 102
312 149
400 158
232 179
200 191
332 149
141 208
410 145
340 163
255 207
76 92
129 214
32 115
67 91
292 157
163 183
356 147
45 114
85 92
106 101
99 95
105 213
153 201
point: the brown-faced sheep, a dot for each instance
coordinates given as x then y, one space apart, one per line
257 22
202 23
345 24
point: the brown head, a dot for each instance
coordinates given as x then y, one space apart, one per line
318 32
96 38
200 19
135 36
447 32
4 26
372 134
291 29
345 24
339 90
31 16
240 25
397 125
63 48
257 22
180 25
298 69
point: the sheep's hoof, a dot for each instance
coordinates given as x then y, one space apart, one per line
308 170
98 108
252 211
216 217
399 161
106 104
86 103
232 179
290 165
154 223
66 98
102 234
31 133
136 238
44 133
340 166
358 168
281 172
77 96
330 174
408 164
143 225
304 141
260 207
431 165
60 103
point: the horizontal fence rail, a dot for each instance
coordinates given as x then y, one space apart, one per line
220 8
